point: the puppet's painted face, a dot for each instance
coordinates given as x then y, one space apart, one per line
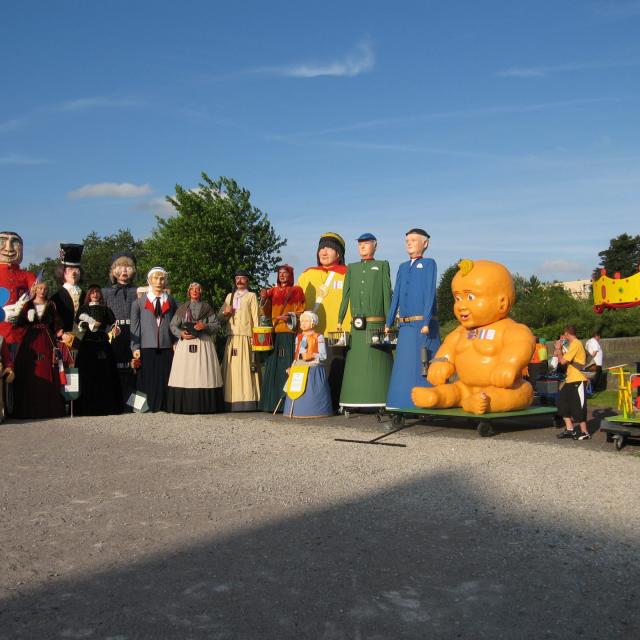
283 277
157 281
306 323
366 249
195 293
72 275
41 291
328 256
242 282
123 270
482 296
95 296
10 248
415 244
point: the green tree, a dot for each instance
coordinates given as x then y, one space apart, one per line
622 256
96 258
444 297
98 253
215 231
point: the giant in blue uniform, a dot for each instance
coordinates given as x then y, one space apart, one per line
414 299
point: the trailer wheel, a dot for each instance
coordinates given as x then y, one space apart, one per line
618 441
485 429
397 420
609 437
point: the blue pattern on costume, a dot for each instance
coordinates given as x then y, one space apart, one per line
413 295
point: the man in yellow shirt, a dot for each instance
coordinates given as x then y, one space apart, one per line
572 399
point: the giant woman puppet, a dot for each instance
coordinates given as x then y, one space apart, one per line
322 285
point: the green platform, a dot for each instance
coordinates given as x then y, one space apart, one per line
460 413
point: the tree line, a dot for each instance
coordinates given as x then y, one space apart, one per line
217 230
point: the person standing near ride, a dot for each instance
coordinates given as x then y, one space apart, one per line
572 398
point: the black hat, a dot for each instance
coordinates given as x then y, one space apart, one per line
124 254
334 241
420 232
242 272
70 254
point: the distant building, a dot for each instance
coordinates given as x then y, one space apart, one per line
578 288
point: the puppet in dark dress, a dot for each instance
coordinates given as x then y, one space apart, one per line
152 340
37 392
119 297
100 393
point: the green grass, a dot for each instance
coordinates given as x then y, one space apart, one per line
608 398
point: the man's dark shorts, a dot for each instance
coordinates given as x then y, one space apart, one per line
572 401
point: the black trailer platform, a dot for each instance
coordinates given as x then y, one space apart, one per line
484 421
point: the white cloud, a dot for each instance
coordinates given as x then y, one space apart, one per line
360 60
563 266
110 190
16 159
542 71
11 125
158 206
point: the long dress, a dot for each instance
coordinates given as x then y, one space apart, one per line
119 299
37 392
282 300
315 402
314 281
196 378
414 300
239 368
100 393
367 290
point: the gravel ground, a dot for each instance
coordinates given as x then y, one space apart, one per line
249 526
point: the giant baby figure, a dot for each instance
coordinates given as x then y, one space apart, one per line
488 351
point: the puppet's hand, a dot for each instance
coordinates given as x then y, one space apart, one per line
440 372
504 375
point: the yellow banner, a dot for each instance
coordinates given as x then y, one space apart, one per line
297 381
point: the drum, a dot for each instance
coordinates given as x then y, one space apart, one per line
262 338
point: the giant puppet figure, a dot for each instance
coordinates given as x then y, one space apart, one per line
70 295
119 297
16 281
283 303
488 351
239 369
367 291
414 302
322 285
152 339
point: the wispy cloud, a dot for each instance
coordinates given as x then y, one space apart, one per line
543 71
16 159
110 190
159 206
361 59
441 115
564 266
11 125
94 102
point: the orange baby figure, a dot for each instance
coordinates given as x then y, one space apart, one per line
488 351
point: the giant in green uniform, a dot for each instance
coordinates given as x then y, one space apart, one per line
367 288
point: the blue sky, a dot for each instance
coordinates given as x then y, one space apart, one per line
509 130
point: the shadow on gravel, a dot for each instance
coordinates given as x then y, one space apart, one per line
403 563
